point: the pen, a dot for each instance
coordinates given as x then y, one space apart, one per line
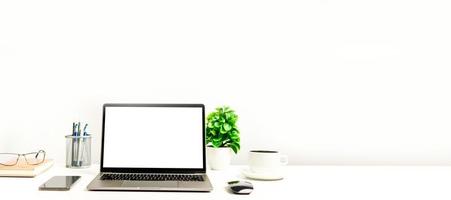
74 144
79 140
79 128
84 130
85 133
73 128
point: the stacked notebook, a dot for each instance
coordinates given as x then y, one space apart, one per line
24 170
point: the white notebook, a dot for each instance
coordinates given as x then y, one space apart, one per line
23 170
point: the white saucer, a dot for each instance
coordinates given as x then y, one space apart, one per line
262 176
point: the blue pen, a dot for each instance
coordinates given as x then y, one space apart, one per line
74 133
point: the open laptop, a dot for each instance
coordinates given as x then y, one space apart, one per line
153 147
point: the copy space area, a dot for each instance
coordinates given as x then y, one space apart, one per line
323 81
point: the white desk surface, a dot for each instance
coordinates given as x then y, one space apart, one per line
301 183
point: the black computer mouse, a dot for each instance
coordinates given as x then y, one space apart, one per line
240 187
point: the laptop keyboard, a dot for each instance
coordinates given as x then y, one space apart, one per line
152 177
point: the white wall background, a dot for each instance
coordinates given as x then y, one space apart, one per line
326 82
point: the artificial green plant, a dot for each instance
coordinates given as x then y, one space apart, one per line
222 130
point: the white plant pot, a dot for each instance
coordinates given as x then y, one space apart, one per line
219 158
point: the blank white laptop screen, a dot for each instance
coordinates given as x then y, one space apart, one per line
153 137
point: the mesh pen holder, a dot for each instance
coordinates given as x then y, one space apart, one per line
78 151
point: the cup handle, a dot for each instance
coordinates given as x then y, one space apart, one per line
284 159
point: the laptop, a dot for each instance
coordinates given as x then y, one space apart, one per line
153 147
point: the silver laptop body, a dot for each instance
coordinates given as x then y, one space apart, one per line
152 147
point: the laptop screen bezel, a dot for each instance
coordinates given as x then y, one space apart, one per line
153 170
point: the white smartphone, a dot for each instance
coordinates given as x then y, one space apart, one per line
59 183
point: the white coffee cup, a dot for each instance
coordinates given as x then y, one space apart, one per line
266 162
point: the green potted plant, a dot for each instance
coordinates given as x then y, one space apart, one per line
222 137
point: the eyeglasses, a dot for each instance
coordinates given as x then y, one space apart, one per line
32 158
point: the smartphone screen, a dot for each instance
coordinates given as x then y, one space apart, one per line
59 183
